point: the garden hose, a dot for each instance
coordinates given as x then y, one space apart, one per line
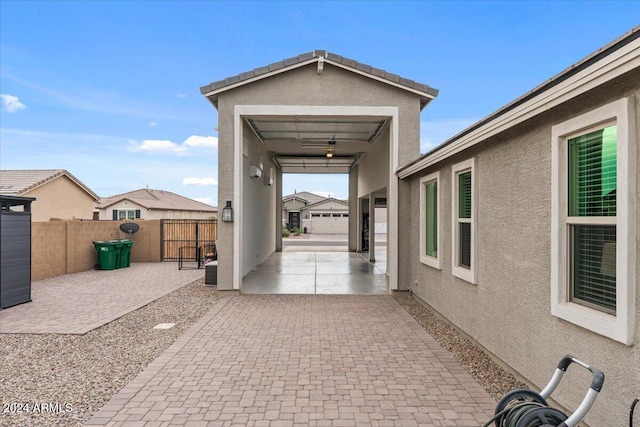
515 410
633 405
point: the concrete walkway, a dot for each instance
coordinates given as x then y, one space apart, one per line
78 303
317 360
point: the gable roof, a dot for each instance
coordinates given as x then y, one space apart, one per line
157 199
212 90
327 200
305 196
19 182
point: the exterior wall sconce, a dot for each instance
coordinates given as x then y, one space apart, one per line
227 212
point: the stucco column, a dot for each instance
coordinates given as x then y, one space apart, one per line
278 209
372 227
353 209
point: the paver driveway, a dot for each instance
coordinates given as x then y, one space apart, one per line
319 360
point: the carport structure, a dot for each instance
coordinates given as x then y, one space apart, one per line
314 113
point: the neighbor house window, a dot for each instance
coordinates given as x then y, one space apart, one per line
122 214
593 229
463 216
430 220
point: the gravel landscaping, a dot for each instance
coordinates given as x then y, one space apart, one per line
65 379
491 376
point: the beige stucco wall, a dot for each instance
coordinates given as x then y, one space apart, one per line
107 213
373 171
259 206
304 86
508 311
60 198
64 247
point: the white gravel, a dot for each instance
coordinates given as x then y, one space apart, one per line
63 380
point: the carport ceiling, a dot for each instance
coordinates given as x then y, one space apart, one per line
299 144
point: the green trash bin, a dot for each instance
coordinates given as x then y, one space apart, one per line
125 253
108 254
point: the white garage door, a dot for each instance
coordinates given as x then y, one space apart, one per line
329 224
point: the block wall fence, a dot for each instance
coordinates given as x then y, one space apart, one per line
64 247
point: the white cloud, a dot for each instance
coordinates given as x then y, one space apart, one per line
201 141
206 200
181 95
157 146
167 146
11 104
199 181
435 132
323 193
153 124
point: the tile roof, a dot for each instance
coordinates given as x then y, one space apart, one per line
306 196
328 199
317 55
157 199
19 182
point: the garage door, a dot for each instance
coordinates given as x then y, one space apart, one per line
329 224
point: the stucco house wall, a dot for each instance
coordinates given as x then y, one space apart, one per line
107 213
305 87
508 311
60 198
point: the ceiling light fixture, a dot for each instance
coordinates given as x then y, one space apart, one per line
331 148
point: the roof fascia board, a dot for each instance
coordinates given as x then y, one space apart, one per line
215 92
380 79
58 175
260 77
617 63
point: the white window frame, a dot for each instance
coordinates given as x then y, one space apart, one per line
467 274
621 326
424 258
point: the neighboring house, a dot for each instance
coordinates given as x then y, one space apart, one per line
522 230
153 204
58 194
315 214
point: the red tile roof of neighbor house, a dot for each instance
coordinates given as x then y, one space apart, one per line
158 199
19 182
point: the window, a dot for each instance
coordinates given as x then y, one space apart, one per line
593 228
123 214
463 221
430 220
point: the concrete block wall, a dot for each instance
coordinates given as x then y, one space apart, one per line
64 247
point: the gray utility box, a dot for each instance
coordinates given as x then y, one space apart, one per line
15 250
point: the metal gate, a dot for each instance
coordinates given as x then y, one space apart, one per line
189 240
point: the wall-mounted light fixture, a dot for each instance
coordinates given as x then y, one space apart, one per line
227 212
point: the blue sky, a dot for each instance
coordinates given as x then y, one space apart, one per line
110 90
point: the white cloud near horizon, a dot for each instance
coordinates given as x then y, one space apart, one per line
181 95
11 104
153 124
435 132
206 181
170 147
157 146
201 141
207 201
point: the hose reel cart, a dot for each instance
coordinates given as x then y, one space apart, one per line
526 408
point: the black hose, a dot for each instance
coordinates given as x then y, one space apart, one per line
633 405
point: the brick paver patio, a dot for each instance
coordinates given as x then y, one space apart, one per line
318 360
78 303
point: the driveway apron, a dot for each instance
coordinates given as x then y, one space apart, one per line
318 360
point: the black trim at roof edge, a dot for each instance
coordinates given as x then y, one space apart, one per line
596 56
